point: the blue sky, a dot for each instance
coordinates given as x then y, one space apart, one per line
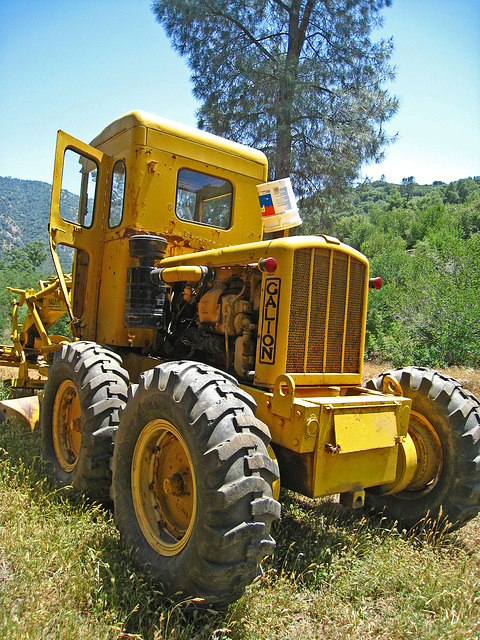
77 66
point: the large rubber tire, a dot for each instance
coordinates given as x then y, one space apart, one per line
445 427
192 482
84 391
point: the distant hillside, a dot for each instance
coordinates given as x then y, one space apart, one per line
380 193
24 212
24 217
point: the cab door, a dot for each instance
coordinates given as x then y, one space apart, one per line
80 198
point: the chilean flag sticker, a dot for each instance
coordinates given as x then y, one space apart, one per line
266 203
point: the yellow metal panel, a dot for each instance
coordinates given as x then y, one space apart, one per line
358 442
218 156
353 471
295 429
321 379
156 126
249 253
349 442
151 195
121 142
360 429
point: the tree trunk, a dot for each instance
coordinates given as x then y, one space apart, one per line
287 84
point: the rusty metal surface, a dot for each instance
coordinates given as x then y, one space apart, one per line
326 313
25 410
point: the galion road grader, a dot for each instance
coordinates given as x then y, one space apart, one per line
213 358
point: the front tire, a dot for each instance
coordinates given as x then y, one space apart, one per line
192 482
85 389
445 428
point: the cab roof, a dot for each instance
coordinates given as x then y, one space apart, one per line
139 118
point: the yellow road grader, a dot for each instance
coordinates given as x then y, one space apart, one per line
213 358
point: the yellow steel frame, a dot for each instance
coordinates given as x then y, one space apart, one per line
44 308
348 438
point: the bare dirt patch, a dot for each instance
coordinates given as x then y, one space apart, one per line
12 372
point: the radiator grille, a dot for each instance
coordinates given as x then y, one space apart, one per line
325 333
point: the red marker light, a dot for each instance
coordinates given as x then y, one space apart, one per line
375 283
267 265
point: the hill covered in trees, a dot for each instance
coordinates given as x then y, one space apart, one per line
24 212
422 240
24 254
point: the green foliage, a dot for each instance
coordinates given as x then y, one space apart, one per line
61 327
24 255
303 81
424 244
19 269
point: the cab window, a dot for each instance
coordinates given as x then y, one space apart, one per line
117 194
204 199
79 183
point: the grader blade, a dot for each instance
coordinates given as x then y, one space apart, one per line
24 410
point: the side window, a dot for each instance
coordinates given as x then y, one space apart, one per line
204 198
79 182
117 195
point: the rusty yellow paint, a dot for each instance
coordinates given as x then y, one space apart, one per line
163 487
364 427
406 467
67 425
24 410
353 499
429 453
276 485
347 442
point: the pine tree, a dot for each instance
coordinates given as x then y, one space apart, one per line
303 80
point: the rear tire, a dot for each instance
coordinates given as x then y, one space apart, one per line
85 389
192 482
445 427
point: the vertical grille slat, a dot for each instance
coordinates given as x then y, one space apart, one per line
337 313
353 336
299 303
309 353
318 317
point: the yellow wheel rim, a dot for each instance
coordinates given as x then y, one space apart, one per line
67 425
163 487
429 457
276 483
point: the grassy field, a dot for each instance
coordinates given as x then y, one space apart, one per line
335 574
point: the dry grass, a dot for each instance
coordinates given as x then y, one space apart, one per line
335 574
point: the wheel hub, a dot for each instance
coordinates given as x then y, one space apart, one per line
67 425
163 487
429 457
174 485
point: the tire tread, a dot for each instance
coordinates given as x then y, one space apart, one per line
461 410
